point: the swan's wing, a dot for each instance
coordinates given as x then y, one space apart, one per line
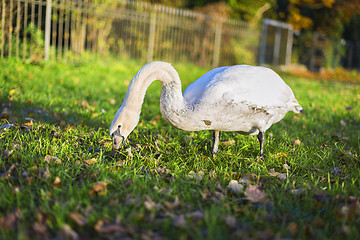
258 87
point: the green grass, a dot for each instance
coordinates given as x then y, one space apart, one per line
154 188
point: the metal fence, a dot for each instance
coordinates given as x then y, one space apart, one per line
74 30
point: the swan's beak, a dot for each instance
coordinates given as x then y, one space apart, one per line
118 142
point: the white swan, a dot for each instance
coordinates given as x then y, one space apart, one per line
241 98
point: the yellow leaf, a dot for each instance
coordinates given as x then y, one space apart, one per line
90 161
12 91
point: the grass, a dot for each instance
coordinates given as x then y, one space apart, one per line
58 178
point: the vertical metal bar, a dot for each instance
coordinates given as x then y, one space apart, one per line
289 45
60 33
152 29
54 31
47 29
32 25
217 44
10 27
3 28
262 51
17 28
277 46
25 30
39 16
66 33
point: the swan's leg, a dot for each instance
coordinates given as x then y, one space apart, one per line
261 137
216 139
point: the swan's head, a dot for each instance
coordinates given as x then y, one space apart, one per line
122 125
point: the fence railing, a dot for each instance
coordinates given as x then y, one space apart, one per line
74 30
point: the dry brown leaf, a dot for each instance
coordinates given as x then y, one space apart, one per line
108 228
228 143
79 219
8 221
52 159
56 182
98 188
171 205
254 194
68 232
149 204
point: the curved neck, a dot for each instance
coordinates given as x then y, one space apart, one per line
166 74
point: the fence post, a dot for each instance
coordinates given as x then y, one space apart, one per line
47 29
289 45
217 44
151 44
3 28
277 46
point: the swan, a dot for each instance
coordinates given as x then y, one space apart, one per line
242 98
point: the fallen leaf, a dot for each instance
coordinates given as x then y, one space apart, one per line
228 143
272 173
343 123
282 176
149 204
109 228
68 232
179 221
56 182
297 191
198 176
235 187
171 205
90 161
8 221
7 174
79 219
297 142
254 194
52 159
230 221
292 228
7 153
98 188
195 216
286 167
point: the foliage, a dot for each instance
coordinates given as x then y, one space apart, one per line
59 180
36 44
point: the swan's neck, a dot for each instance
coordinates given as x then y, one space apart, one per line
171 96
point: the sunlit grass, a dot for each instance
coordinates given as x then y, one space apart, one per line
164 182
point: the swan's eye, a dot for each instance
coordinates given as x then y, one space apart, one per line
119 126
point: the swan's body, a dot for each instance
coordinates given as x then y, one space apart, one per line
240 98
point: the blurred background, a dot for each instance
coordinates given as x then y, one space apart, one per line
307 35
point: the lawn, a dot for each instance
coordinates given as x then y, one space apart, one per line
58 178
